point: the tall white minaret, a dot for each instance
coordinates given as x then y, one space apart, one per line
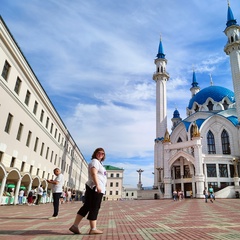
232 48
160 77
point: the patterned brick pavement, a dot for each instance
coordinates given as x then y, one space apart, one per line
125 220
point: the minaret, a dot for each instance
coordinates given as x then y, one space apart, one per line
232 48
176 118
160 77
195 88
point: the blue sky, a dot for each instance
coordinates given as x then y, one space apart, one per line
95 60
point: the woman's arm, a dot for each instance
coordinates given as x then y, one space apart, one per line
93 172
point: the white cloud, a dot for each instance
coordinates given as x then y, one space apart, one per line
96 60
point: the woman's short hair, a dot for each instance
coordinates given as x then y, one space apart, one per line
96 151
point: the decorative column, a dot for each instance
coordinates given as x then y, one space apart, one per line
160 181
17 191
236 177
2 187
199 177
167 171
139 180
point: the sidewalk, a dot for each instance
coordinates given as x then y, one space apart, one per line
136 219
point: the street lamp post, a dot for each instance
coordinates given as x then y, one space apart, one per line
139 179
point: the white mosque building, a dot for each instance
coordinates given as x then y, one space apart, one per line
203 149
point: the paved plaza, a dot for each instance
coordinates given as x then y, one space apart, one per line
132 219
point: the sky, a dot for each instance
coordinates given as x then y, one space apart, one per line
95 60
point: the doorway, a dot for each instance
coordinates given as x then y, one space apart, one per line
188 190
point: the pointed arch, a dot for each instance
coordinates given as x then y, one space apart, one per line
178 155
191 131
179 139
210 106
225 105
196 108
211 143
225 142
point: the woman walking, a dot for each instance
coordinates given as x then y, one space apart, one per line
95 188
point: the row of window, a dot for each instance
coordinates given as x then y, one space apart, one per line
224 140
211 142
211 171
17 88
111 193
23 167
128 195
177 172
112 175
222 169
29 136
48 152
210 106
48 125
30 170
116 185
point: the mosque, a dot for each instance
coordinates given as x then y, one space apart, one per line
204 148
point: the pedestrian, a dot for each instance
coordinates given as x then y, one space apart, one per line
175 195
63 196
205 193
211 194
180 195
57 185
73 196
39 194
30 198
191 194
69 195
20 197
44 196
95 188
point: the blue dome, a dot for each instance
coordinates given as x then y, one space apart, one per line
176 114
217 93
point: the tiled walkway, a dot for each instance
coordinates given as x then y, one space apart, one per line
125 220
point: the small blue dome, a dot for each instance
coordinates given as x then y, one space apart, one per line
176 114
217 93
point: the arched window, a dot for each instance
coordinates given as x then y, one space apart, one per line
225 105
225 142
196 108
191 131
179 140
210 106
211 143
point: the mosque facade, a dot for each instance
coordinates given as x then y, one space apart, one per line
204 148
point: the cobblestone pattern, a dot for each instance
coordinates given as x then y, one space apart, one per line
125 220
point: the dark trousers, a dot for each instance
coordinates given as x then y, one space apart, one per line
92 204
38 199
56 197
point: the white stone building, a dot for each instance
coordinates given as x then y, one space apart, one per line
114 183
203 149
33 137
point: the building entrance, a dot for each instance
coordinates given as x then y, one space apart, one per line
187 190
